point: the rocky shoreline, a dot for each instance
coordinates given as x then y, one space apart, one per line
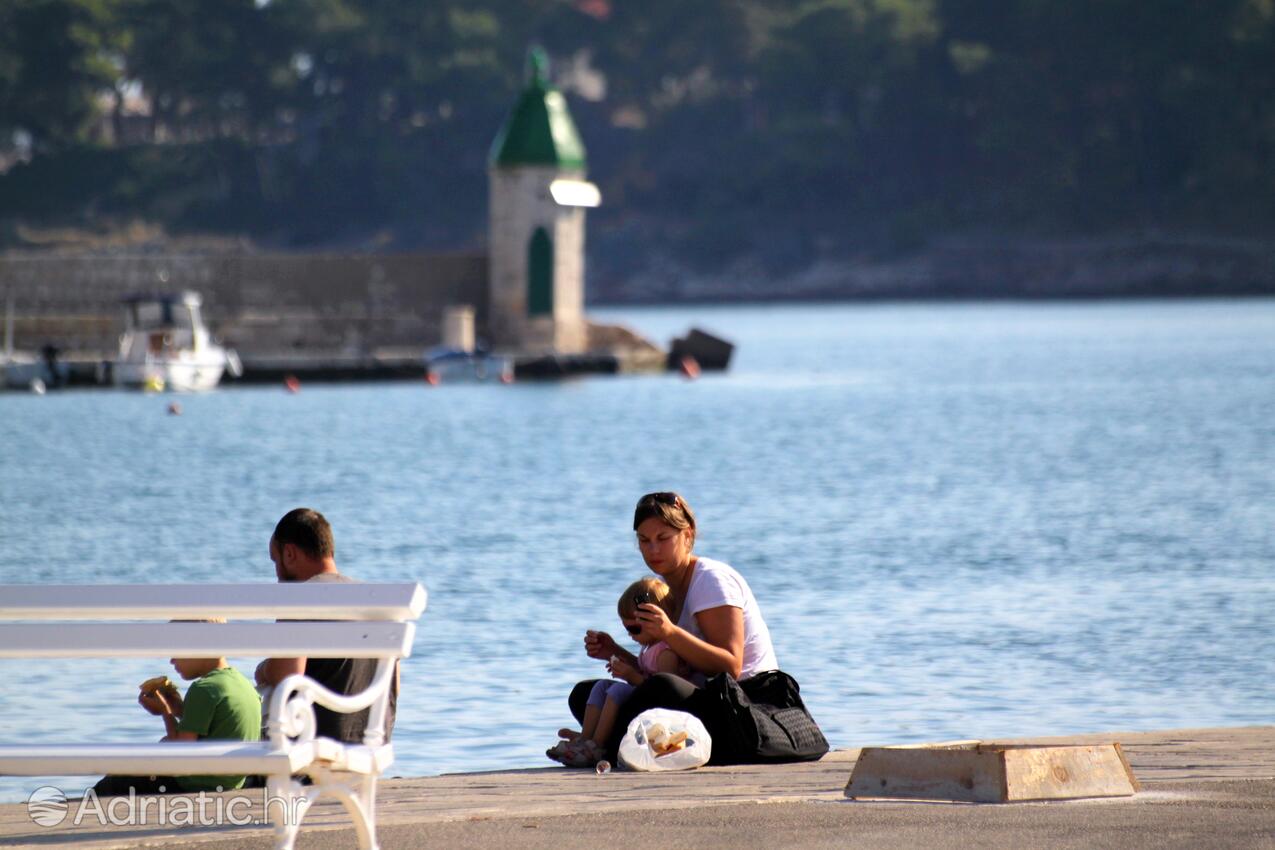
983 267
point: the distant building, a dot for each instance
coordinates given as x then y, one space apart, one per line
537 198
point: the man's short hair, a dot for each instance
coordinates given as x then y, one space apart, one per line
307 530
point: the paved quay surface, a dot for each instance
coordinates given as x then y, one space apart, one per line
1202 788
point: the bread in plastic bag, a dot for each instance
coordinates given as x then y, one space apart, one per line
663 739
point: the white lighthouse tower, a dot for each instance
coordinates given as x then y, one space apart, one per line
537 198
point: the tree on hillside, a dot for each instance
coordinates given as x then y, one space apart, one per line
847 122
210 68
841 93
1115 107
55 61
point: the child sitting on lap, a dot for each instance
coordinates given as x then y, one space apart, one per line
586 747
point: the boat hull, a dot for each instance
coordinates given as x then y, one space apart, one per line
182 376
24 373
455 366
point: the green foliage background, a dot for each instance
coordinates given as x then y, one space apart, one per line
791 128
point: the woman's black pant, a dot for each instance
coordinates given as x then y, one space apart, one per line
663 690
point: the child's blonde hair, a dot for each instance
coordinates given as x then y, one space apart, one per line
649 590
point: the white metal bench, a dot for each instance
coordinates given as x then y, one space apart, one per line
354 621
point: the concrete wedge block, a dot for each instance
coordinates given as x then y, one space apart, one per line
975 772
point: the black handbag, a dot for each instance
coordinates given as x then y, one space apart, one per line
759 720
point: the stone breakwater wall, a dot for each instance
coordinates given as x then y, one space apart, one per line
258 304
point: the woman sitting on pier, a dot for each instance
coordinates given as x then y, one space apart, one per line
752 710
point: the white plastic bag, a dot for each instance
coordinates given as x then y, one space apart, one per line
661 739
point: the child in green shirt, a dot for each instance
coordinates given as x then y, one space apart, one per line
221 704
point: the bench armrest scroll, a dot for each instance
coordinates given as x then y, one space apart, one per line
291 716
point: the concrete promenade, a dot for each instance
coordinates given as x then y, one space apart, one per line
1202 788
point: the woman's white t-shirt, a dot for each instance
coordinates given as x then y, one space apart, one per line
714 584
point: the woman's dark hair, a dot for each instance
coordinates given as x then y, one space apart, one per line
307 530
669 508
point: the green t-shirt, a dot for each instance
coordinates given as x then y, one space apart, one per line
221 705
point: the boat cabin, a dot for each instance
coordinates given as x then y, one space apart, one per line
161 325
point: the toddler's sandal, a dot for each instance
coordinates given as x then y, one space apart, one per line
582 753
558 752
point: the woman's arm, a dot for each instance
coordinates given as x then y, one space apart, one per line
721 650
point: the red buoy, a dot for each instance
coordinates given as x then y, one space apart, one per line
689 367
432 379
291 384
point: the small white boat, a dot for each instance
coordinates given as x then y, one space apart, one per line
21 370
165 346
455 365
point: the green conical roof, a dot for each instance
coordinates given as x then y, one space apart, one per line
539 131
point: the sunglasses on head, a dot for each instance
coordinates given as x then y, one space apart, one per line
662 498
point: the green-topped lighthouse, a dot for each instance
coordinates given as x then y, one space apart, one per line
537 199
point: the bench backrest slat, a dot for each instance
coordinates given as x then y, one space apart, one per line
206 640
299 601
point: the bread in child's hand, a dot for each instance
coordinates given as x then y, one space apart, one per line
159 684
154 684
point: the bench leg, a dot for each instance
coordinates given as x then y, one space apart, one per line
286 804
358 795
367 800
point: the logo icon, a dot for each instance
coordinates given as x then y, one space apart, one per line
47 806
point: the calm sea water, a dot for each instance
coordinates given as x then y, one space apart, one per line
960 520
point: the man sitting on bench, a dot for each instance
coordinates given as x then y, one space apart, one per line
302 549
221 704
